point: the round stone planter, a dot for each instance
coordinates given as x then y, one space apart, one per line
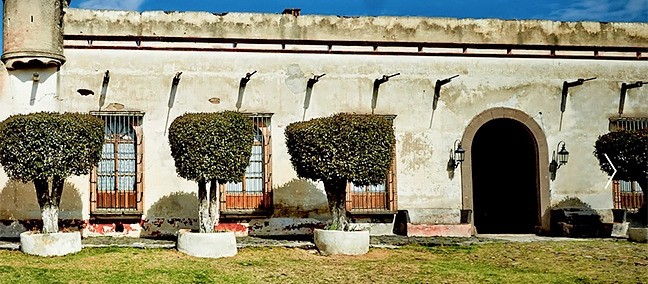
208 245
330 242
638 235
54 244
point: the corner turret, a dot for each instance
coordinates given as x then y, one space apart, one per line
33 33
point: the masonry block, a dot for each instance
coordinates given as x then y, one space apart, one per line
239 229
454 230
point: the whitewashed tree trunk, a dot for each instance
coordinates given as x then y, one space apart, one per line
204 217
50 214
213 203
49 198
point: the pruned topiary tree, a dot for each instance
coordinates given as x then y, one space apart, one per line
628 151
339 149
214 148
46 148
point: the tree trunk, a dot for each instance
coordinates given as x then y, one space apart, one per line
42 192
49 199
57 189
203 208
213 202
49 214
643 183
336 196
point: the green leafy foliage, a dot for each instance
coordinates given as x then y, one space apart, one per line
211 145
352 147
628 151
41 145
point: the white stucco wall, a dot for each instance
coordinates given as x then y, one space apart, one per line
141 80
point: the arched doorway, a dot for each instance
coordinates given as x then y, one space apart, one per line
505 178
505 175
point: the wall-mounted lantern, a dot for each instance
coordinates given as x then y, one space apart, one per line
376 86
309 90
624 89
457 156
565 91
242 85
437 94
560 157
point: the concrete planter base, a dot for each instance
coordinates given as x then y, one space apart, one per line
330 242
208 245
54 244
639 235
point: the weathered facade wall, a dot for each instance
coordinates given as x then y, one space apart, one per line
530 85
140 80
268 26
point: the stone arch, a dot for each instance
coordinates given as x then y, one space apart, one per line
542 151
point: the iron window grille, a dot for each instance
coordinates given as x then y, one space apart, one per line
253 194
117 181
374 198
628 123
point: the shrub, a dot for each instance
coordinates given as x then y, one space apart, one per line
49 147
628 151
339 149
214 147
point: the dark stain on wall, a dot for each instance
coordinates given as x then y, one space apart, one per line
18 202
19 210
299 198
175 211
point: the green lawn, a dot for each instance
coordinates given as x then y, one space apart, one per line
540 262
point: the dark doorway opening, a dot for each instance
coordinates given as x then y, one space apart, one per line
505 178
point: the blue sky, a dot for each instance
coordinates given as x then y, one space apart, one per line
560 10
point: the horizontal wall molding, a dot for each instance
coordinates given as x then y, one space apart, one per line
392 48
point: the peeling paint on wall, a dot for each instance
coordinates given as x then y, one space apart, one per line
296 81
416 151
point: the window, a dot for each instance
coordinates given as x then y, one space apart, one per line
627 195
374 198
253 193
628 123
116 182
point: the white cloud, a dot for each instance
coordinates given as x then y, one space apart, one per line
112 4
604 11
